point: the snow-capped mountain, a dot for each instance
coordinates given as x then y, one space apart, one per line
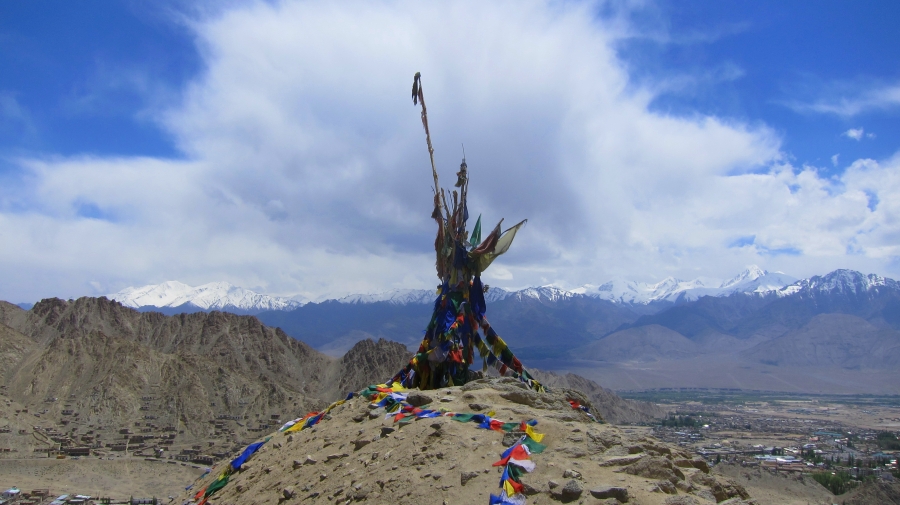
212 296
543 293
224 296
844 282
751 280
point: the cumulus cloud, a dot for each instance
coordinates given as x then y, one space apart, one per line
305 169
854 133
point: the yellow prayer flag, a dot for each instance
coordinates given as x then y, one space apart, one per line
537 437
510 490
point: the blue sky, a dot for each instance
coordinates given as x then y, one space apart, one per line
770 61
270 144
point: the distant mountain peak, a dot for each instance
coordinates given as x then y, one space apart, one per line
751 273
839 281
212 296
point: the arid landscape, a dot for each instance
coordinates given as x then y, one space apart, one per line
159 436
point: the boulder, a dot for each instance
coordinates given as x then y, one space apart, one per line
602 492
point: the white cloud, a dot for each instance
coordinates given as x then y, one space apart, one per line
834 159
306 170
881 98
854 133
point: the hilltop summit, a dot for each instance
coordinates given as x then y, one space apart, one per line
360 453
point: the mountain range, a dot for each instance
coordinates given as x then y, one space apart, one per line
174 297
838 332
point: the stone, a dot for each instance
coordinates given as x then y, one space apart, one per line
417 399
386 430
602 492
478 407
360 443
512 437
290 438
375 414
666 487
681 500
309 460
553 484
571 474
466 477
359 418
436 425
627 460
655 468
362 493
571 491
684 486
447 399
288 493
335 456
529 490
701 464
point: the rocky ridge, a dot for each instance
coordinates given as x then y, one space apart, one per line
93 362
356 454
91 367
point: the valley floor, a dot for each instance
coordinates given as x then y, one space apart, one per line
721 372
118 479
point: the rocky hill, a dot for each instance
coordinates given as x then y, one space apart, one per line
98 373
357 454
92 363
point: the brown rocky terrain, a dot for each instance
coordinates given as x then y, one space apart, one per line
90 364
357 455
95 373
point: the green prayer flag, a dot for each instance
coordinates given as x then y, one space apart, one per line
475 239
515 472
215 486
534 447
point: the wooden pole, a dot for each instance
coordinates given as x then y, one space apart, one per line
419 96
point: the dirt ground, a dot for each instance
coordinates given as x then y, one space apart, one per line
119 478
766 487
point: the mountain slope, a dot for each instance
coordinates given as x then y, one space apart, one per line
832 340
535 325
112 365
